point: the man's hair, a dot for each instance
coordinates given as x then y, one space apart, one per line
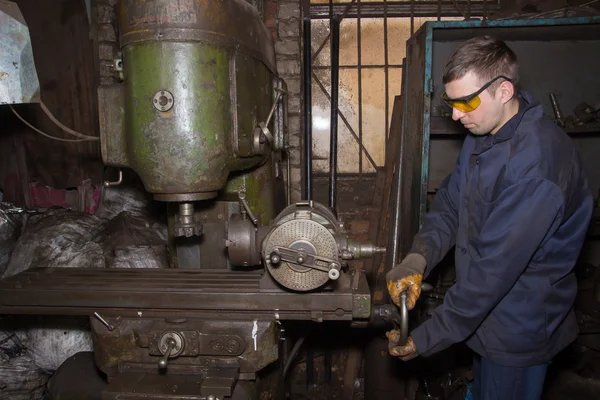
486 57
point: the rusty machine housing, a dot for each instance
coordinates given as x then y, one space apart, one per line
200 117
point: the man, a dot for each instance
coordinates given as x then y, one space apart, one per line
517 207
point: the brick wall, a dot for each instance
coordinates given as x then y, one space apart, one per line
108 49
284 20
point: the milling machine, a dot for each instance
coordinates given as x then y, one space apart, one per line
201 116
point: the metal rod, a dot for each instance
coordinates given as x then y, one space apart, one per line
370 66
459 9
393 245
246 206
345 120
117 182
403 319
359 64
412 17
333 140
386 71
284 353
307 111
401 9
104 322
289 175
322 46
556 109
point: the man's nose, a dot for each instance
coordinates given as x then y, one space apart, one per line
456 114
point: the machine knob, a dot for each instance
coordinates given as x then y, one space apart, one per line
275 258
333 274
171 344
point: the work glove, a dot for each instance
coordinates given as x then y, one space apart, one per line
408 275
405 352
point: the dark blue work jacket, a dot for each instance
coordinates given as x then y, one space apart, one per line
517 206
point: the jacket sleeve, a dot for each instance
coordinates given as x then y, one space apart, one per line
438 233
525 215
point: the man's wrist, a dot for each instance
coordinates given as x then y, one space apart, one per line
417 261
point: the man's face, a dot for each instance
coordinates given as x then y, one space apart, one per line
484 119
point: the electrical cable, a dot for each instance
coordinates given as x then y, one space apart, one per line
87 139
293 354
63 127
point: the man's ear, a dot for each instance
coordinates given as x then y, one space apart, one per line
507 91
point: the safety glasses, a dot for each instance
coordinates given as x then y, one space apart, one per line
471 102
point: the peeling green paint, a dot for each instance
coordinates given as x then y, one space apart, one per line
184 149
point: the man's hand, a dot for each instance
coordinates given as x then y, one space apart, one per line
405 352
408 276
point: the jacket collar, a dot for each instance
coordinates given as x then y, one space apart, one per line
529 108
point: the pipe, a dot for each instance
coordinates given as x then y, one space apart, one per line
403 319
307 111
333 142
289 176
393 245
292 356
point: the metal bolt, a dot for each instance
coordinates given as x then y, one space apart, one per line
275 258
232 346
300 260
216 345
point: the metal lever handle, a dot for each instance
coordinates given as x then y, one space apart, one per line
171 344
242 197
263 130
117 182
277 97
104 322
425 287
403 318
293 256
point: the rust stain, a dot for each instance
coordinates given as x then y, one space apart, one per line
177 12
410 283
3 75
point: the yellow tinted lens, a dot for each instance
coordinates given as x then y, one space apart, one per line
465 106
